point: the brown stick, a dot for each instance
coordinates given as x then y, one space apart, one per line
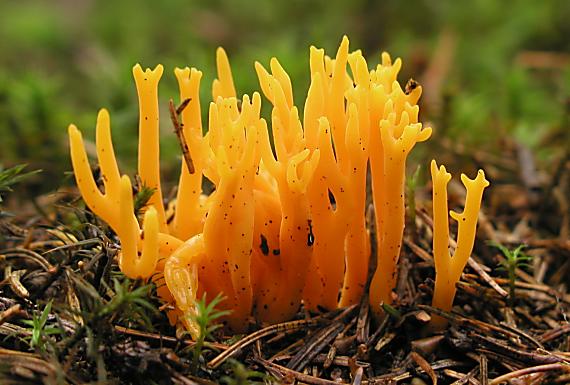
178 129
527 371
248 340
422 363
9 313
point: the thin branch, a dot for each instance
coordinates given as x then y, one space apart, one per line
178 129
527 371
248 340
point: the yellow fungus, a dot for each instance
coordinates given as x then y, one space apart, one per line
448 269
285 225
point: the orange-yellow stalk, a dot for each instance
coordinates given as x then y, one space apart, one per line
228 230
357 141
189 214
129 232
357 238
149 149
223 86
392 209
325 122
293 170
448 269
103 204
396 133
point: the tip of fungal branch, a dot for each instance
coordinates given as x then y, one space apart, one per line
433 167
125 181
478 180
343 48
424 134
103 114
344 41
398 64
220 51
158 70
261 71
455 215
273 62
222 58
183 73
481 176
396 87
137 69
72 129
357 54
439 171
150 213
386 59
195 72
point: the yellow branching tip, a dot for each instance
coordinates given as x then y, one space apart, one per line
72 130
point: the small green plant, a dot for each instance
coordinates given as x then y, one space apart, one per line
514 259
142 196
391 311
125 302
41 331
11 176
241 375
129 305
206 314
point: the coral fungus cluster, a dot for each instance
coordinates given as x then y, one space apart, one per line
286 222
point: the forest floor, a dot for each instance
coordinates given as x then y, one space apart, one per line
67 315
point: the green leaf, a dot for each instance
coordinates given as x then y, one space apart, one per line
11 176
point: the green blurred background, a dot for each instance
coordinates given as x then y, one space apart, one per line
488 67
